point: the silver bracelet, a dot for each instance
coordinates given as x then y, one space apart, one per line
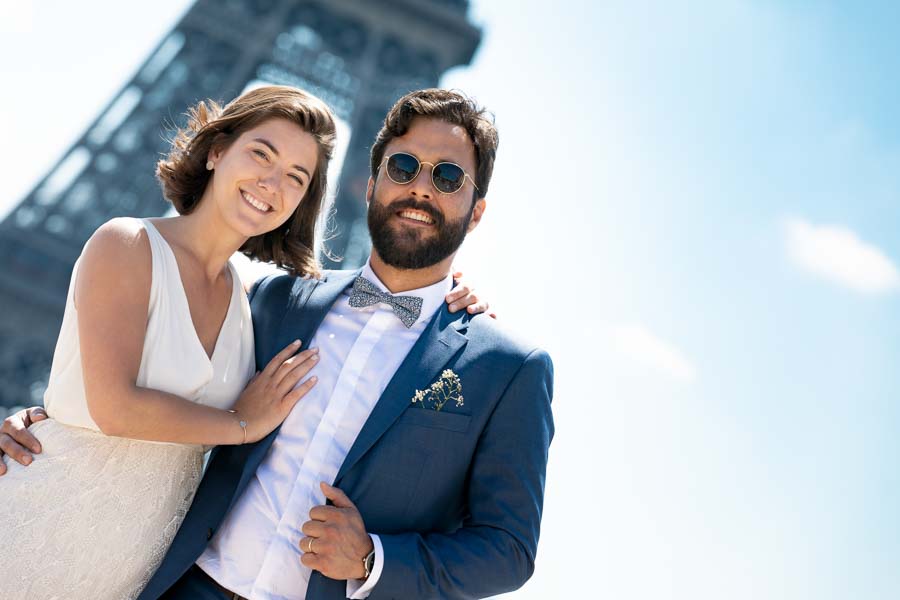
243 425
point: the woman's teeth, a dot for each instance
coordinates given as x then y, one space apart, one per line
260 206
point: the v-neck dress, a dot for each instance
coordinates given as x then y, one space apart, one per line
93 515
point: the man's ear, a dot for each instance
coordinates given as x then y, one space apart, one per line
477 212
370 189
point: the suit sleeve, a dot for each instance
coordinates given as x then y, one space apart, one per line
494 551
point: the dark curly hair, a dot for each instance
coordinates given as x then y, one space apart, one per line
449 106
184 176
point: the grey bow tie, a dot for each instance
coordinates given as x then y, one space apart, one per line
365 293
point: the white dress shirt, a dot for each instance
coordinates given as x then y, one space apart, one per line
255 552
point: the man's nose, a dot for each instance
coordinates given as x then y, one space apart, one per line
420 187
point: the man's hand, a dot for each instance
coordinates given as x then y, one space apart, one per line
336 541
15 440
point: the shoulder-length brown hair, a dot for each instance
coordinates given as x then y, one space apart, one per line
184 176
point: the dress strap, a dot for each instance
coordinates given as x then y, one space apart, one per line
158 254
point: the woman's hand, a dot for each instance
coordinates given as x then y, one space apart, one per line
463 296
272 393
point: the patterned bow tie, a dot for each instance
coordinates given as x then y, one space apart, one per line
365 293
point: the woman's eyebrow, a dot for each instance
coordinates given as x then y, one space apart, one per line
274 150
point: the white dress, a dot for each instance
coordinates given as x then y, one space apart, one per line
93 515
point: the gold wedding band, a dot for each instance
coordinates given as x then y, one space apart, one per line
309 545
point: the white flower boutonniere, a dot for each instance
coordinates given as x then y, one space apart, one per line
446 389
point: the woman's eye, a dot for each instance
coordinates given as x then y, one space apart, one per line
261 154
297 179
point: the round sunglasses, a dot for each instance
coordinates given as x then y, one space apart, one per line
446 177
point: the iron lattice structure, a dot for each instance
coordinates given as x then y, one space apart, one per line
357 56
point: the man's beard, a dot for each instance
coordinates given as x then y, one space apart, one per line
414 248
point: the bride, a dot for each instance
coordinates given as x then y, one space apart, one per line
156 350
155 357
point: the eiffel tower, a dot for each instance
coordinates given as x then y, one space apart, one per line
357 56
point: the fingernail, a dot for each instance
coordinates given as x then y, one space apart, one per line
314 357
314 379
26 460
39 411
296 342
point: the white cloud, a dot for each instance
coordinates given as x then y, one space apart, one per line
837 254
638 343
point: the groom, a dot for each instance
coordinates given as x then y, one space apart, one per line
432 428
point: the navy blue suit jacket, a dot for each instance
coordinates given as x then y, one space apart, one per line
455 495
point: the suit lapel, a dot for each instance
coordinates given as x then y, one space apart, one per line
305 313
440 341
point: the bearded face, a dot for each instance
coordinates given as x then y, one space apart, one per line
414 222
409 234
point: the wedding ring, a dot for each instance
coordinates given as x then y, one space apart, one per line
309 545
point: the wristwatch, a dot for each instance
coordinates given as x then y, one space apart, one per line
369 562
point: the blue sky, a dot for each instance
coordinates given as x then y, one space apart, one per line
694 209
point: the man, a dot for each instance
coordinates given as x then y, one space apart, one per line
433 428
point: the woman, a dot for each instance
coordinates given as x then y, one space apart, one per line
156 349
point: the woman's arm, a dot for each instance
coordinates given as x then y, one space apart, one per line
112 295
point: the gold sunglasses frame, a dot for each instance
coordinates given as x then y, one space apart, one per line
433 165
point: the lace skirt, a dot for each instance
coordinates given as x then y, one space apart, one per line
93 515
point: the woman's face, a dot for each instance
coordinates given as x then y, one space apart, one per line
260 179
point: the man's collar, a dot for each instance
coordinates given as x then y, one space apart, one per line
432 296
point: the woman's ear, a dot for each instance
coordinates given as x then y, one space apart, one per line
214 155
217 148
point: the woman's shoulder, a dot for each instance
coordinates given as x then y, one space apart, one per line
119 247
122 232
116 263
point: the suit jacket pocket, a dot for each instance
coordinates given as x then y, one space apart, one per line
435 419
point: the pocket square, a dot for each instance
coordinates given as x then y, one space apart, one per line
446 389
